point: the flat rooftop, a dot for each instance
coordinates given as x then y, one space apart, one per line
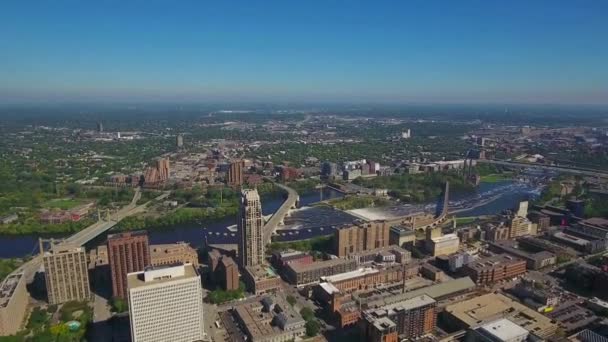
445 238
159 275
7 288
492 306
350 275
503 330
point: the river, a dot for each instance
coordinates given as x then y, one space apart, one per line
305 222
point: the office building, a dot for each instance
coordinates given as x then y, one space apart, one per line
250 226
13 303
329 170
166 304
408 319
494 268
66 274
284 258
383 256
300 274
487 308
360 237
173 253
522 211
128 252
179 140
159 172
261 279
99 127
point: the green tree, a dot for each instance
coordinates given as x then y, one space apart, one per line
312 328
291 300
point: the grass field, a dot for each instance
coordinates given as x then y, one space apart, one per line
465 220
62 203
496 177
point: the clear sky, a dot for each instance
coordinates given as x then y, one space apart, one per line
452 51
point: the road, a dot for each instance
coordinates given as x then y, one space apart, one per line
563 169
279 215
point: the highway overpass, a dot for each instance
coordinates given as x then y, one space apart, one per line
563 169
277 218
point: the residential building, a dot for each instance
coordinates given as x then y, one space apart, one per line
438 244
402 236
13 303
520 226
235 173
496 233
542 221
66 274
250 229
300 274
166 304
365 278
128 252
408 319
360 237
494 268
228 274
173 253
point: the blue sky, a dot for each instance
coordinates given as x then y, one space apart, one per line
340 51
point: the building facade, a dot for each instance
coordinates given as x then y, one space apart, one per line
250 226
66 274
166 304
128 252
494 268
235 173
299 274
361 237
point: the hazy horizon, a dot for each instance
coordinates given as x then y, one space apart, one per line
385 52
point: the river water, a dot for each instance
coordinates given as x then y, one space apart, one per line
305 222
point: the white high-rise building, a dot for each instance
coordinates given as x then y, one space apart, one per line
166 304
250 226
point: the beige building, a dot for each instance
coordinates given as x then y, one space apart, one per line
250 226
361 237
520 226
438 244
66 274
166 304
173 253
490 307
13 304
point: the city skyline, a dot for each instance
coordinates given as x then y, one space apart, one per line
387 52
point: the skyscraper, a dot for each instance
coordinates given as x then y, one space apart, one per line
250 226
166 304
179 141
66 274
99 126
235 173
128 252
